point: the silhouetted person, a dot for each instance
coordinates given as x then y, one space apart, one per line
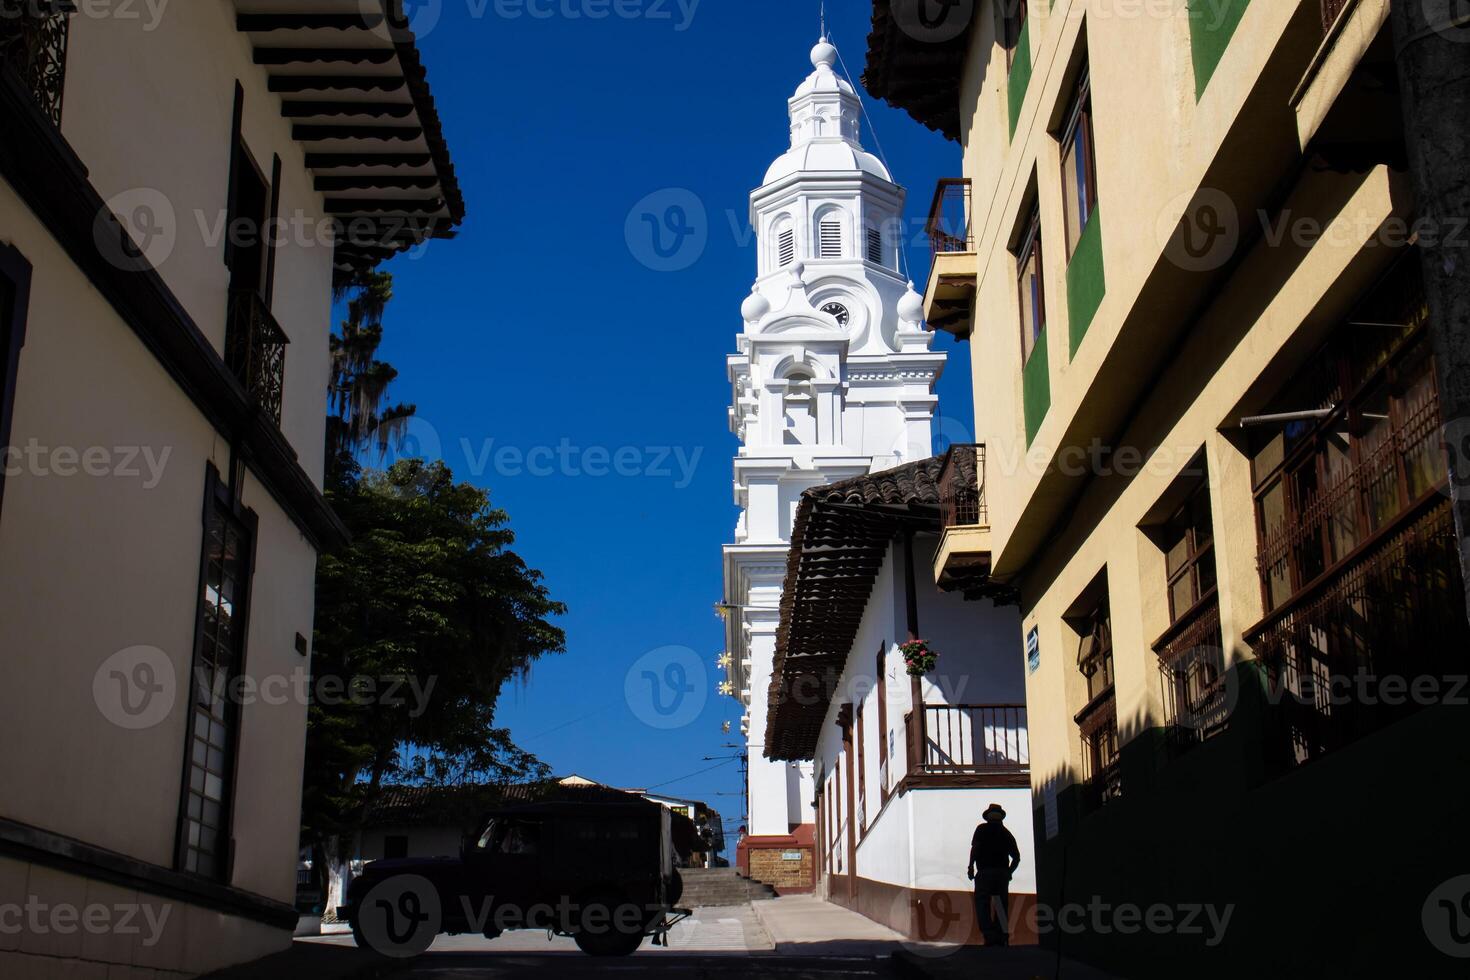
994 857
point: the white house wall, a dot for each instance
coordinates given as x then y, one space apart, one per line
113 561
920 841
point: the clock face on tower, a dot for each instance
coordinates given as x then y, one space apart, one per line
836 311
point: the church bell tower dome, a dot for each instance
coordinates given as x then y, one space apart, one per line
826 117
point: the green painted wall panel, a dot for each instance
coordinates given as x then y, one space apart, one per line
1212 24
1086 284
1036 387
1020 75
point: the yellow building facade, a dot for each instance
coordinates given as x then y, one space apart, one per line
1181 246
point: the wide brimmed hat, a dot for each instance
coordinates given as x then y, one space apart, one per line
995 808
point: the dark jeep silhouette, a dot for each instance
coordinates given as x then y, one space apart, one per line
601 872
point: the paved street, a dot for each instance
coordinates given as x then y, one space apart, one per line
471 966
797 936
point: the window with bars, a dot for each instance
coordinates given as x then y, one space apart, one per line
1031 282
1191 651
786 247
1097 722
1079 163
214 719
1189 553
1366 452
1357 551
875 246
830 235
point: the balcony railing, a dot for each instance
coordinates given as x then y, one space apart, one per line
255 350
962 487
968 740
949 227
1389 619
1331 10
33 37
1192 663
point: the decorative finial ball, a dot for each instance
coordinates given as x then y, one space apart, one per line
824 55
754 307
911 306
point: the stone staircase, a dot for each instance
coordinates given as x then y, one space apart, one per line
709 887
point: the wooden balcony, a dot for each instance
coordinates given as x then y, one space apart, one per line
962 560
949 300
968 745
33 42
255 350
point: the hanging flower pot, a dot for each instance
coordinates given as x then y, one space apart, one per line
918 658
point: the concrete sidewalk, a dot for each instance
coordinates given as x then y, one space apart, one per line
801 925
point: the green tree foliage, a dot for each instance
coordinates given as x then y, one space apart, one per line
358 413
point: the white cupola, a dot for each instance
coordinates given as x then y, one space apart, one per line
826 119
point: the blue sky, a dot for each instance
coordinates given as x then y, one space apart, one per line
539 342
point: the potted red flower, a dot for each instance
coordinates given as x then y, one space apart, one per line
918 657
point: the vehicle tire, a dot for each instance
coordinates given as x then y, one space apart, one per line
609 943
608 940
676 888
357 937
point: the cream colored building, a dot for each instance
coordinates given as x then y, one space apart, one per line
1214 475
163 424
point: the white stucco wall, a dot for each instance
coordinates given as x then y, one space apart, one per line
921 839
183 69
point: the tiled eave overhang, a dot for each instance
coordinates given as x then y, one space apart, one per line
351 83
914 65
838 543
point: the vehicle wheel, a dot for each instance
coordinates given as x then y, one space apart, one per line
676 888
607 940
609 943
357 936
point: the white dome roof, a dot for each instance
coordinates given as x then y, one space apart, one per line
835 155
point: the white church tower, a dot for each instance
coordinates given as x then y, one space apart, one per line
834 379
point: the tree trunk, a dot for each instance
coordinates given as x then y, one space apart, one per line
1432 49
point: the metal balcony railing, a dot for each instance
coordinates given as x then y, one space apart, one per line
962 487
1394 609
1192 663
33 38
949 217
255 350
968 740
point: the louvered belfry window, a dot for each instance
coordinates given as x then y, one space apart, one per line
786 247
875 246
831 238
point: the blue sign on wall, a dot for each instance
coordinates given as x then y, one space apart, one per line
1033 651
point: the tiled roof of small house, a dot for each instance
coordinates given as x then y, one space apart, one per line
839 540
